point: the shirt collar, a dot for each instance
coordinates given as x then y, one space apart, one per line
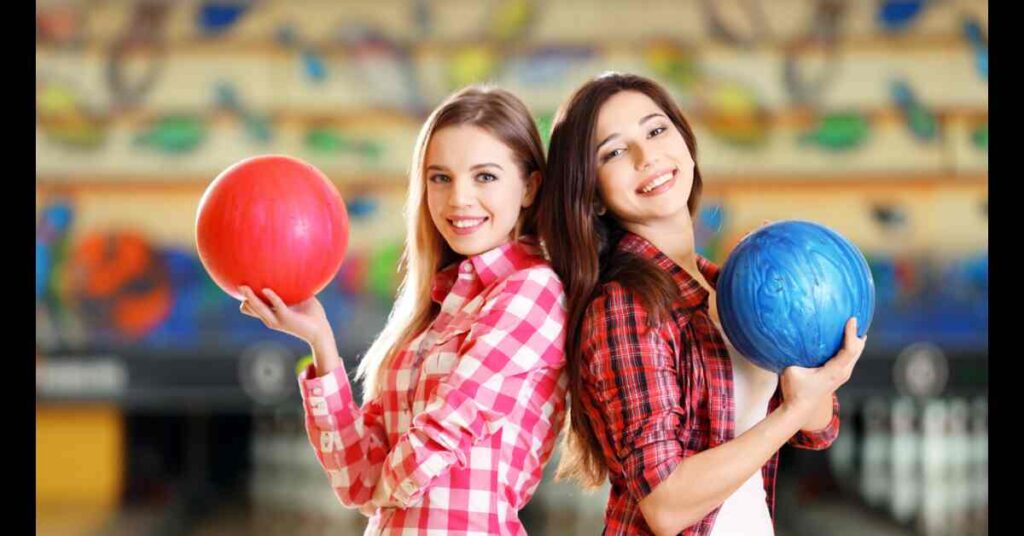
489 266
691 291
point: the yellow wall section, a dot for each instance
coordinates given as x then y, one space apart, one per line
79 455
946 220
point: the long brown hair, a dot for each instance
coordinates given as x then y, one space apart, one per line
581 243
506 117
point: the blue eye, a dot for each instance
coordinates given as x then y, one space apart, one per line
439 179
486 177
656 132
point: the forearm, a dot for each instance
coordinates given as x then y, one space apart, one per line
703 481
325 354
349 441
351 462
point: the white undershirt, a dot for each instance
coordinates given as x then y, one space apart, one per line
745 512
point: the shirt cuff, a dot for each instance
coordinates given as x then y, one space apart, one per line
651 459
409 469
644 485
327 396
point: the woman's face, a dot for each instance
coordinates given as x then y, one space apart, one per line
644 168
475 188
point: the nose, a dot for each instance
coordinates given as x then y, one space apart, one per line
461 192
643 156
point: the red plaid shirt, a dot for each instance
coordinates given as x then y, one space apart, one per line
656 396
469 410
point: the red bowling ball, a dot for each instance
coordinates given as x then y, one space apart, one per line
272 222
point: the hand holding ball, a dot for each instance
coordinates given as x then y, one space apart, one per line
272 222
787 290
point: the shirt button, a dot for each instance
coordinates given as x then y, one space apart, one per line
317 391
467 268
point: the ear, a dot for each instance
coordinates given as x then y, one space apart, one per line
532 186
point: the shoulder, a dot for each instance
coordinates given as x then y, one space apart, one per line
540 273
534 278
615 298
534 287
618 310
617 335
615 315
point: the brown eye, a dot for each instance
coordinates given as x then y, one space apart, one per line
612 154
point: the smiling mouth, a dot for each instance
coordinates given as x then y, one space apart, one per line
657 184
466 225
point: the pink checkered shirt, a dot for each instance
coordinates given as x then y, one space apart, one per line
469 411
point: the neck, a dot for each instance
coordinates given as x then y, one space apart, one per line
673 236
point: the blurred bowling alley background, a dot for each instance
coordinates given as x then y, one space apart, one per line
161 410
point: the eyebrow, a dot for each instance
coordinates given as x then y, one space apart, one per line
642 121
472 168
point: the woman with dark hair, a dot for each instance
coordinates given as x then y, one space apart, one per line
686 431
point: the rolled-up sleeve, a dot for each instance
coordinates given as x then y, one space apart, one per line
632 376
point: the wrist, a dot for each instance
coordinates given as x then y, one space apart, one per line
795 414
322 342
821 416
325 354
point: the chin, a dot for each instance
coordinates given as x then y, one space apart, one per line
459 247
670 207
464 247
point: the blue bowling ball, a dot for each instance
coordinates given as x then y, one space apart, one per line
787 290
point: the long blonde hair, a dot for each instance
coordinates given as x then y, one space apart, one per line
426 252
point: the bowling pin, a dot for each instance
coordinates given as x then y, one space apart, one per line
933 520
874 481
957 462
905 463
979 466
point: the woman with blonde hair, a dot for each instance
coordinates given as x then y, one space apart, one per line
464 389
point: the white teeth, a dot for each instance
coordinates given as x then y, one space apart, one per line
463 224
657 182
